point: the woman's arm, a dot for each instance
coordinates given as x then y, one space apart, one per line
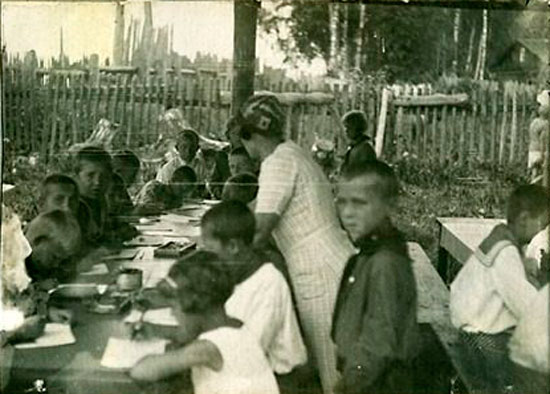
198 353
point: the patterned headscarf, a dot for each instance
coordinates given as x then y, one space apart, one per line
264 112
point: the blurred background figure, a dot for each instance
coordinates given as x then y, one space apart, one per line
538 138
323 154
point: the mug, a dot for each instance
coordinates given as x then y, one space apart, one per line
129 279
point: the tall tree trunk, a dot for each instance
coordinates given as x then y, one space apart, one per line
359 34
333 65
482 50
245 16
456 39
468 67
147 38
344 50
118 45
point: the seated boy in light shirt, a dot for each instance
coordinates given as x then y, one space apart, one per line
262 297
492 290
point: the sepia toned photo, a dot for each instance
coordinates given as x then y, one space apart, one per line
277 196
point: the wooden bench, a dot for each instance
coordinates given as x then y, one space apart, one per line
433 309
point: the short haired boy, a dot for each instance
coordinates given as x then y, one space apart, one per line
262 298
59 191
187 146
55 240
156 197
374 325
492 290
240 162
241 187
127 165
359 148
94 176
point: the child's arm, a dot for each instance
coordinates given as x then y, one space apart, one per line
511 281
198 353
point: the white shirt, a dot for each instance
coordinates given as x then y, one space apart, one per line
164 175
529 344
263 303
245 369
490 299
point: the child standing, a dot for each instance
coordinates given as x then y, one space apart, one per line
492 290
224 357
374 325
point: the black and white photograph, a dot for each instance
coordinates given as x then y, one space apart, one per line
275 197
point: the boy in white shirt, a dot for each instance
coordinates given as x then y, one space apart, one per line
491 291
262 297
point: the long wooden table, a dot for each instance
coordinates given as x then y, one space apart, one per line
76 368
458 238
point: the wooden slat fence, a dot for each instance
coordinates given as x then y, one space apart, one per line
47 112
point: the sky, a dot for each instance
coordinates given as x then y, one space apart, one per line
205 26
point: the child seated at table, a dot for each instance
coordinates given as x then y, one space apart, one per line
156 197
24 312
55 240
240 162
188 154
94 177
492 290
127 165
262 297
59 191
374 325
223 357
241 187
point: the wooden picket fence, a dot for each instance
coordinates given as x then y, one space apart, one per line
48 110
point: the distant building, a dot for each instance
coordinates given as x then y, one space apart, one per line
525 60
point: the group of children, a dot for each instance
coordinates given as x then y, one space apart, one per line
239 331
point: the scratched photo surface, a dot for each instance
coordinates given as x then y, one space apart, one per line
124 123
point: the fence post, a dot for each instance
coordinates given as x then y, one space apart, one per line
503 125
379 142
514 125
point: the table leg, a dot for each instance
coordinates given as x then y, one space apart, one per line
442 259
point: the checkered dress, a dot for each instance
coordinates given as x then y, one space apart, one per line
309 236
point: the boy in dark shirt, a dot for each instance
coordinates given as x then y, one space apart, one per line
359 148
374 325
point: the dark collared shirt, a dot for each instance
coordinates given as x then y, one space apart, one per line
358 151
374 324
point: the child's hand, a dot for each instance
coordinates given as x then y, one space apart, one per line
31 329
141 331
58 315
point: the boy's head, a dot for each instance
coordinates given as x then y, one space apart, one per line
527 212
240 162
94 172
183 182
55 238
187 145
355 124
228 228
200 285
59 192
367 194
241 187
126 164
